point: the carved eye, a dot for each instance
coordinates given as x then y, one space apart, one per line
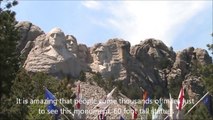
53 35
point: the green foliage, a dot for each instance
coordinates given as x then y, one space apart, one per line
165 63
109 83
58 87
132 93
124 90
82 76
98 79
41 80
210 47
34 110
30 87
207 77
8 4
9 60
26 87
174 87
9 64
21 88
119 84
64 91
200 112
195 67
158 92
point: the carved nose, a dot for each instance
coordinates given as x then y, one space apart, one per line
54 36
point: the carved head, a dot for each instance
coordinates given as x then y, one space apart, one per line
71 43
56 37
100 53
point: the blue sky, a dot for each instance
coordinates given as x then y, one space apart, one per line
179 24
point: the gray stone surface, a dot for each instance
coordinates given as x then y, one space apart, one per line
28 33
150 65
50 55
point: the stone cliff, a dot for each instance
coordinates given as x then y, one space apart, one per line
149 65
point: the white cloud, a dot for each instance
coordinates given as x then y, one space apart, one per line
139 20
92 4
158 20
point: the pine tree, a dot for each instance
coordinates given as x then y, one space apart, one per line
9 60
21 90
207 77
9 64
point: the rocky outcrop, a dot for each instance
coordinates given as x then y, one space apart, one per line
150 58
137 66
151 52
202 56
194 86
150 65
28 33
190 57
185 68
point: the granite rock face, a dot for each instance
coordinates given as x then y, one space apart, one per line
150 58
139 66
149 65
51 55
202 56
28 33
193 86
151 52
184 70
110 58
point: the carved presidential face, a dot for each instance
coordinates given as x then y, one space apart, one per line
100 53
71 43
56 37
